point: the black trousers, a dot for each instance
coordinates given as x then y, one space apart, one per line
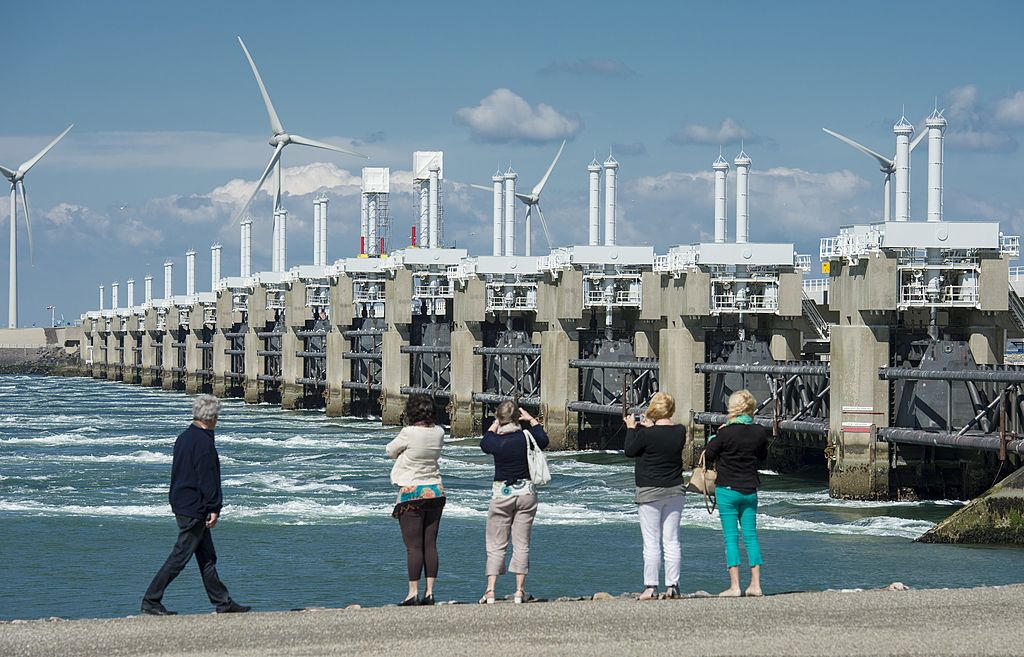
193 538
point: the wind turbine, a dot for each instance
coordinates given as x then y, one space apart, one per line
278 141
886 164
532 200
17 180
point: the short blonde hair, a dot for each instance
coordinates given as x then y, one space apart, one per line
741 402
507 412
662 407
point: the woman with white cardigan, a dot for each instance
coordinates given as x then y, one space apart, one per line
421 499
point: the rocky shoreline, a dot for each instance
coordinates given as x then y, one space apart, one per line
50 360
849 622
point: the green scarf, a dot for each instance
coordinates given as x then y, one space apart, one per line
739 419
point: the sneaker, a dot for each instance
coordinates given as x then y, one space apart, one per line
233 608
157 610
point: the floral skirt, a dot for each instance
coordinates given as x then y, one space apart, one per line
430 496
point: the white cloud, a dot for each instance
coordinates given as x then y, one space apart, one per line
729 132
505 116
1011 110
971 124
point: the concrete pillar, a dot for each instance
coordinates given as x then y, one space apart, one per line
679 349
99 340
987 344
860 468
785 344
170 355
193 356
113 355
291 368
395 373
220 363
253 363
339 370
149 347
645 343
558 385
466 372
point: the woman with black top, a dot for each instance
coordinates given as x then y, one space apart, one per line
737 451
513 498
657 446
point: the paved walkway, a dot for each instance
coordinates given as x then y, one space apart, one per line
929 623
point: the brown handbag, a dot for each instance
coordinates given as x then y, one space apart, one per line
702 480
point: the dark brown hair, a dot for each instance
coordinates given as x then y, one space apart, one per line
420 408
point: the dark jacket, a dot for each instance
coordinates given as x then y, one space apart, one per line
509 451
737 452
658 451
195 474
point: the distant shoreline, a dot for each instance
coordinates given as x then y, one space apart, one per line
912 622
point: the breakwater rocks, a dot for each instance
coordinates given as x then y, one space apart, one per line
38 360
997 517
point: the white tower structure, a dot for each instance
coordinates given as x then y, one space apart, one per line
510 211
114 300
168 290
721 169
245 261
610 168
498 179
903 129
215 250
317 218
282 241
131 293
374 204
323 230
435 207
190 272
148 289
101 298
594 172
742 163
427 184
936 125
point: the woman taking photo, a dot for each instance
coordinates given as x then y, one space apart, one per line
736 452
421 499
657 446
513 498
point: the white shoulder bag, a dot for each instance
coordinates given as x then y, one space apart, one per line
538 462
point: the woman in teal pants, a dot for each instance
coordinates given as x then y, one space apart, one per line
736 451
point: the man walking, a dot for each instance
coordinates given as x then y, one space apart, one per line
196 501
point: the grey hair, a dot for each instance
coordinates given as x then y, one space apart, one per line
205 408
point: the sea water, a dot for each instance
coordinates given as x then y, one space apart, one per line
85 523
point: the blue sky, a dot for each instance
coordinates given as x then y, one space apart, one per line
170 131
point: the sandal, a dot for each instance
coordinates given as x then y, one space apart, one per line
672 591
520 597
488 598
649 593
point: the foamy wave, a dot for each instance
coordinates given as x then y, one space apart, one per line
821 498
141 456
74 438
38 508
287 484
301 442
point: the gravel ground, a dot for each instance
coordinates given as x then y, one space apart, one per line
926 622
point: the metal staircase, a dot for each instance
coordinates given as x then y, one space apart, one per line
1017 309
821 327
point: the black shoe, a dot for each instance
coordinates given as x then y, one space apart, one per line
233 608
157 610
427 601
411 601
672 591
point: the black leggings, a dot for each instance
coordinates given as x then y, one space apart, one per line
419 531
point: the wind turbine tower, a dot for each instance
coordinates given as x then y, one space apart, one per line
17 179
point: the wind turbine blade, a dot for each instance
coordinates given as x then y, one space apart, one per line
525 198
296 139
266 172
543 181
882 160
483 187
28 221
7 173
918 139
275 123
544 226
23 169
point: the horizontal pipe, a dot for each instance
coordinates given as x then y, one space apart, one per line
816 427
269 334
234 375
417 349
362 355
178 345
602 409
491 398
356 385
320 383
235 335
988 375
268 352
234 352
311 334
433 392
178 370
989 443
204 372
585 363
270 378
776 368
204 345
361 333
311 354
507 351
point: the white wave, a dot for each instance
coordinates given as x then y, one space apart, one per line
287 484
141 456
74 438
287 443
821 498
39 508
768 473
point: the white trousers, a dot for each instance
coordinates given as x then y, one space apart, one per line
659 524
